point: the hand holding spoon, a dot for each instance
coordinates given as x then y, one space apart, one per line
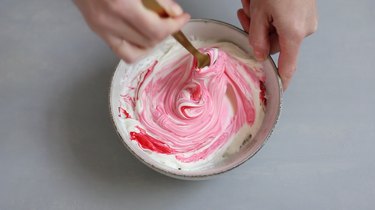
203 59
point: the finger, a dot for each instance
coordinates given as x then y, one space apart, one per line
172 25
171 7
127 51
244 20
246 6
258 36
120 28
289 49
150 24
156 28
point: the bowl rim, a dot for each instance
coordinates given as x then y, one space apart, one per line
202 176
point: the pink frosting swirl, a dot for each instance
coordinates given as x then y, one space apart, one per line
190 112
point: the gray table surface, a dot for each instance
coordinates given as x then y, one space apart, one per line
58 148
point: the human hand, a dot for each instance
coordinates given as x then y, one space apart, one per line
128 27
278 26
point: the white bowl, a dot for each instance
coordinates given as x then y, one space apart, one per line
204 29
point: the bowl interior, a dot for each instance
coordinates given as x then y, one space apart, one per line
209 30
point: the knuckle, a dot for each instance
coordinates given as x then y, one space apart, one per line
297 32
155 30
314 27
151 43
98 20
159 35
94 28
121 8
116 49
127 55
129 59
287 75
135 58
115 5
255 43
146 43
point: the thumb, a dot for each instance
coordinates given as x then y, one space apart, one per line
258 37
171 7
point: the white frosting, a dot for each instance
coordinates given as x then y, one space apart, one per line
164 53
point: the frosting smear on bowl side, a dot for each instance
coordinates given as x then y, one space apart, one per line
191 118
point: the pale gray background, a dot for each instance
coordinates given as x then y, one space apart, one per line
58 148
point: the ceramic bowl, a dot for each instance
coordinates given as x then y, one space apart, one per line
204 29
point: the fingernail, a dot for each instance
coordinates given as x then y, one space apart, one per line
176 9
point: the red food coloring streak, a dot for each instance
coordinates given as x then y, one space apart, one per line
262 94
129 100
196 93
122 111
183 110
149 70
148 142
